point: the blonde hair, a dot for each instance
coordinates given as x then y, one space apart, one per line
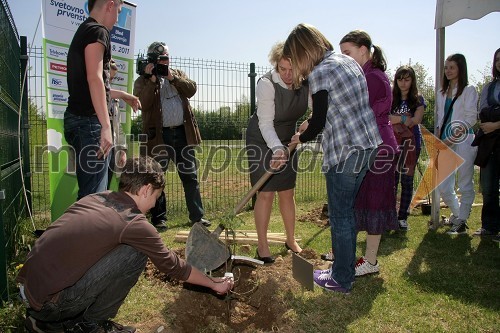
276 54
305 47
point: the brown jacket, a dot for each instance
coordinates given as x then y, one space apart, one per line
152 122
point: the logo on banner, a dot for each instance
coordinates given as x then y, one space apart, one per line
57 52
58 67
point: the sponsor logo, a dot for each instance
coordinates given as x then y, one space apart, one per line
58 97
58 67
57 53
56 82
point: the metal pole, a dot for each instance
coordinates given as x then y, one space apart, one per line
252 75
440 36
25 122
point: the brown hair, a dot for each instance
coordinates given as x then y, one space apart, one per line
463 79
140 171
306 47
362 38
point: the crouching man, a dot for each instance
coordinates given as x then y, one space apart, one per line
83 266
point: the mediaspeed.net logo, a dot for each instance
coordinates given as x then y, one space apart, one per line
442 163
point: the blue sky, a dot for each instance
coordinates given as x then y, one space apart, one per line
244 31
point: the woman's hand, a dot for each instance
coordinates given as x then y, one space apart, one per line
279 158
489 127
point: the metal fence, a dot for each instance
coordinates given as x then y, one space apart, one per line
13 142
225 90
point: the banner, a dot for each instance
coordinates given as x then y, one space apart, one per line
61 18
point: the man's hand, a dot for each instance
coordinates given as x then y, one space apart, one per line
222 285
149 70
106 142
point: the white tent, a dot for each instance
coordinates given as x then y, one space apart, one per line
447 13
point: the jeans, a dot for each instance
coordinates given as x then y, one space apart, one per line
342 185
184 158
489 179
84 135
98 295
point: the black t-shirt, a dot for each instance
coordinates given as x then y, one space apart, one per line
89 32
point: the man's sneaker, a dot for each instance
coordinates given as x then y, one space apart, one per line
35 326
363 267
107 327
483 232
326 282
448 221
403 225
459 227
496 239
203 221
112 327
328 256
160 225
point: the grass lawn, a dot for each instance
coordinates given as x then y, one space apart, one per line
429 282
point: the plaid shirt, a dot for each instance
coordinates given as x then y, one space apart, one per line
350 122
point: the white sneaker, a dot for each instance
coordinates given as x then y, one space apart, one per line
403 225
448 221
363 267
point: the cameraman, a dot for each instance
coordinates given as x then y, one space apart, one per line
170 126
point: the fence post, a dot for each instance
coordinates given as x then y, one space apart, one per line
4 284
25 122
252 75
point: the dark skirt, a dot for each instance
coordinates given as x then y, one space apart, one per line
259 158
375 206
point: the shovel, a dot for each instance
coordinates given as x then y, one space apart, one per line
204 249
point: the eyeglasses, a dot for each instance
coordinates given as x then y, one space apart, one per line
163 57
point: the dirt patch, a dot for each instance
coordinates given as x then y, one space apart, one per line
318 216
257 303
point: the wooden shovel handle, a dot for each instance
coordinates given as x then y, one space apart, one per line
257 186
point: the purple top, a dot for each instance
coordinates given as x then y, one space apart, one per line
380 98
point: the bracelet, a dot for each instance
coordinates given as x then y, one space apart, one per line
403 119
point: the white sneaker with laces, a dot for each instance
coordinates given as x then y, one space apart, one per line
363 267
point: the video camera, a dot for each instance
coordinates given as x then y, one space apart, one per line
153 58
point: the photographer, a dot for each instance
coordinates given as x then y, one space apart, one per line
170 126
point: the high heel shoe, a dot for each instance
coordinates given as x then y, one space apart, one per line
289 248
266 260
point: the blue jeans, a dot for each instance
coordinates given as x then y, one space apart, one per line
342 185
98 295
489 179
84 135
184 158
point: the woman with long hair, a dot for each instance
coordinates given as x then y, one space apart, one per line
488 154
407 111
456 106
375 205
350 139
